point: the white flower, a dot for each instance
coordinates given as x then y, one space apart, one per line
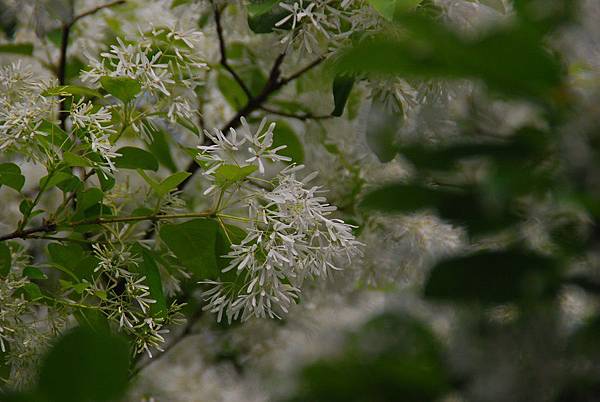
314 21
85 115
22 108
292 239
95 122
261 143
158 75
230 150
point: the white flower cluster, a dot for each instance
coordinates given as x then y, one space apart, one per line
318 24
166 64
22 107
396 94
232 149
310 21
291 235
125 299
13 308
96 127
24 331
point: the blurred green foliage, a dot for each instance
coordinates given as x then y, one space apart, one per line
86 365
524 168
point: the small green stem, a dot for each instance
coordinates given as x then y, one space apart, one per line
235 218
27 215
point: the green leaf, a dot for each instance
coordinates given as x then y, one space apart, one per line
123 88
253 76
257 7
142 211
523 146
135 158
106 182
511 60
93 320
66 255
71 184
33 291
190 125
285 135
159 147
54 135
73 68
231 91
226 175
494 277
461 206
391 358
193 243
264 18
10 175
34 273
171 182
25 49
81 287
155 185
55 179
382 128
101 294
149 269
71 259
72 159
168 184
226 236
390 8
85 366
5 259
25 206
342 86
87 199
72 90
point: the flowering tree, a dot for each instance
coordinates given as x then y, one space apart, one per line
257 232
237 169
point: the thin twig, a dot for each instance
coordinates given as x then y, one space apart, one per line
64 44
50 227
273 84
303 116
61 73
56 238
302 71
23 234
223 50
71 196
96 9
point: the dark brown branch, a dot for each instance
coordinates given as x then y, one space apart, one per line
64 44
51 227
302 116
96 9
273 84
223 51
302 71
61 72
23 234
